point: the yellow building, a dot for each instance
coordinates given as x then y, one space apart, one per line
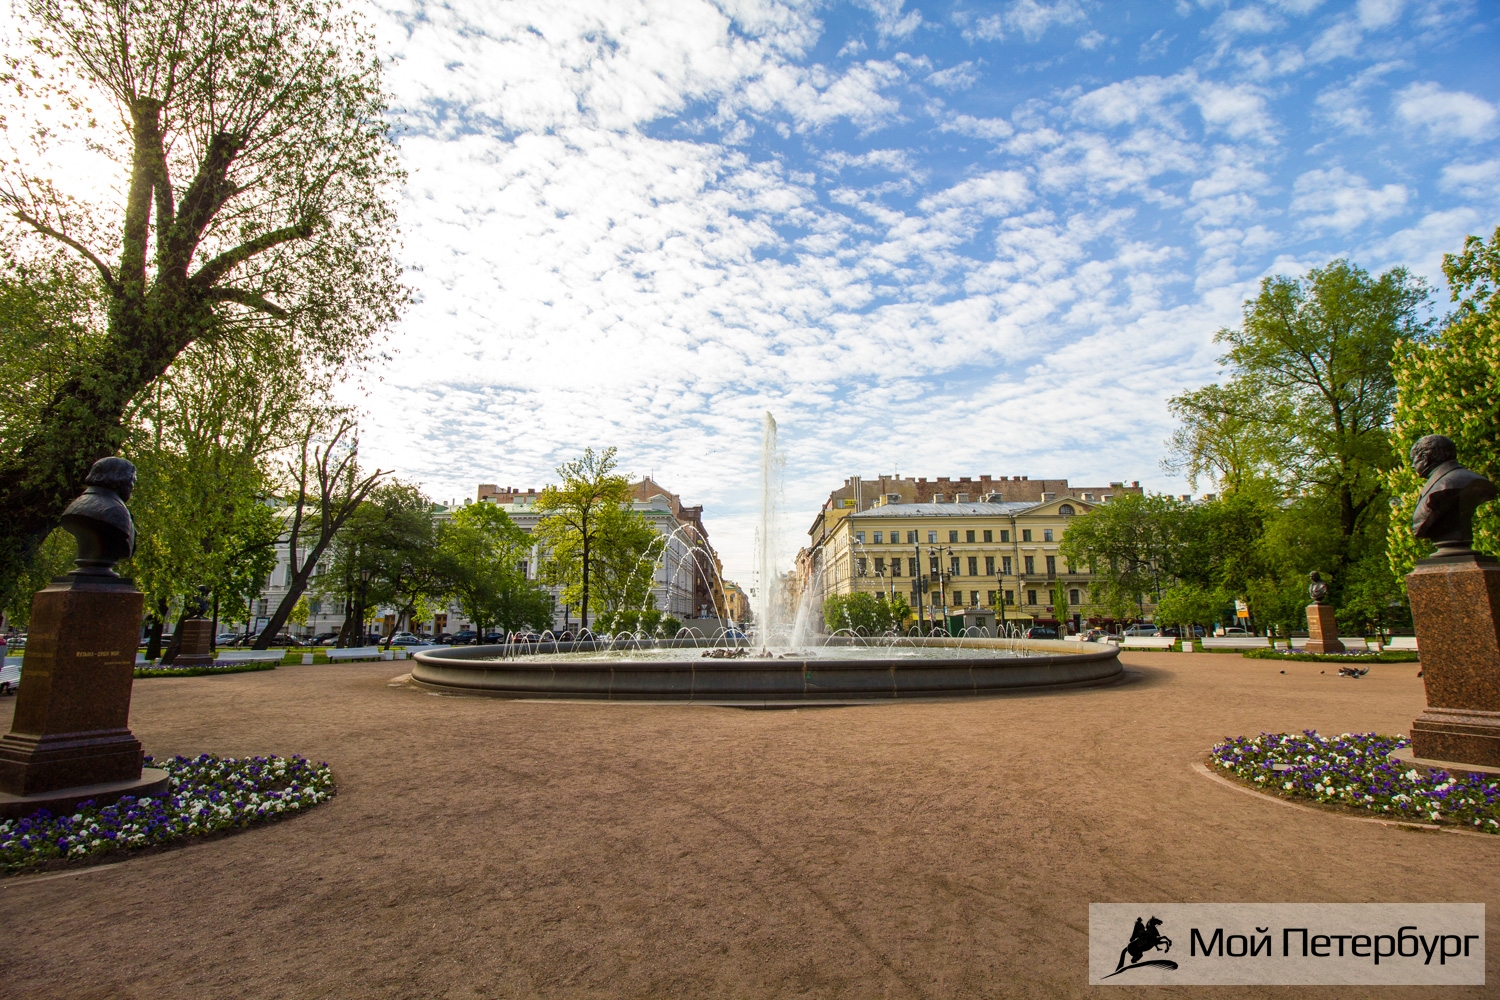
988 554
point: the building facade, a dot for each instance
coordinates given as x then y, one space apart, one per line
997 550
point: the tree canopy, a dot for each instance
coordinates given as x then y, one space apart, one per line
256 173
573 516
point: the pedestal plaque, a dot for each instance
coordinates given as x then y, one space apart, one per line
197 643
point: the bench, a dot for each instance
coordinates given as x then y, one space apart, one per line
1402 642
356 653
1148 642
249 656
1233 641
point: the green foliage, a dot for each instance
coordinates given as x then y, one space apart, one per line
577 518
255 200
54 557
299 612
483 554
865 613
387 553
1384 656
1190 604
649 622
1133 545
1449 386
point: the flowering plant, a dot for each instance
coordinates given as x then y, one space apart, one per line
205 794
1355 770
197 670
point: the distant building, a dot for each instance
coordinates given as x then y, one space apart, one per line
985 543
736 603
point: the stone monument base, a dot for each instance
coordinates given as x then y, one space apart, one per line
1455 604
1404 758
153 781
1322 630
196 648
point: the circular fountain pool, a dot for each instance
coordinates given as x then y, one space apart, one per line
835 671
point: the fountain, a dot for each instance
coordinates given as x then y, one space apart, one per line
782 663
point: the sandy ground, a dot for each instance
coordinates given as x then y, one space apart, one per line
485 848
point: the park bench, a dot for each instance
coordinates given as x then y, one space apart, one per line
1148 642
1233 641
1402 642
249 656
356 653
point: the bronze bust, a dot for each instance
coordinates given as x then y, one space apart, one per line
1445 508
1317 589
99 519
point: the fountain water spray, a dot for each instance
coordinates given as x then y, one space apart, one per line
767 600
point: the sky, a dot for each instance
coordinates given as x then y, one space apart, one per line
938 240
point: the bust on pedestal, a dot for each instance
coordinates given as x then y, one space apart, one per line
69 739
1455 605
1322 629
194 642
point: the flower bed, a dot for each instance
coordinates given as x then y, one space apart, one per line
1354 770
207 794
1355 656
199 669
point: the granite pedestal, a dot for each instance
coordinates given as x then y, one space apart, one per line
1455 605
71 723
1322 630
197 647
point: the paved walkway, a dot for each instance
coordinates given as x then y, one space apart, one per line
483 848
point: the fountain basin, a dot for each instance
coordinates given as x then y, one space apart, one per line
964 668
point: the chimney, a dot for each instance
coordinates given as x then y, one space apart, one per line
1135 483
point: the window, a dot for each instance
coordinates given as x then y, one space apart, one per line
969 537
1005 565
1025 534
1005 536
934 568
859 536
895 567
953 565
1030 597
1031 566
1046 534
989 566
879 537
1066 510
973 564
859 567
937 498
879 566
911 567
911 538
1010 597
973 598
952 536
932 538
989 597
1052 565
1073 596
315 607
989 536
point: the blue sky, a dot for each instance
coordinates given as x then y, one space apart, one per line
946 239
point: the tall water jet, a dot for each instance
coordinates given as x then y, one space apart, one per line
766 583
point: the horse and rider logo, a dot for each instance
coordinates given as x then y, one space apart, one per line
1145 937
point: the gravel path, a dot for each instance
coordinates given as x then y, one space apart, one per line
485 848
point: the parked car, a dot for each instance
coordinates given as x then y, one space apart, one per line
1176 632
10 677
1232 631
492 638
226 638
1040 632
15 642
324 639
465 637
407 639
1141 630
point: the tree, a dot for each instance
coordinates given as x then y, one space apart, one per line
256 197
1449 386
1133 545
1309 397
484 553
625 555
864 613
1060 600
387 554
333 468
1187 604
572 517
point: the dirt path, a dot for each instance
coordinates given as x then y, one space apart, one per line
484 848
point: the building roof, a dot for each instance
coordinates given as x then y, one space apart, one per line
1003 509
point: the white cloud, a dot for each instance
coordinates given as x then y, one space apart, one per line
1252 20
959 77
1337 200
890 21
1091 41
1031 18
1445 114
1473 180
979 128
1375 14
